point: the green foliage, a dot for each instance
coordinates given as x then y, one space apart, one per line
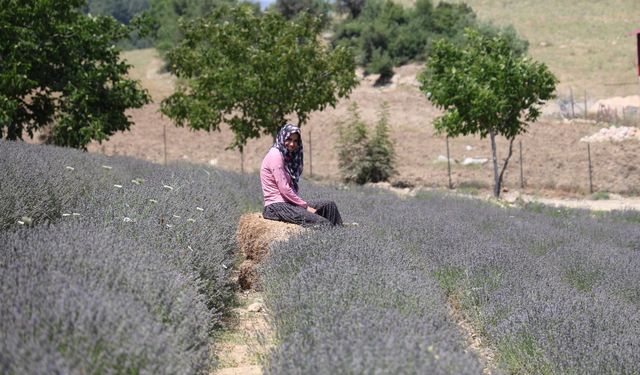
290 9
384 34
61 67
122 10
168 14
251 71
485 88
353 7
361 159
126 12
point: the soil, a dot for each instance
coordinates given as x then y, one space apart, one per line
554 160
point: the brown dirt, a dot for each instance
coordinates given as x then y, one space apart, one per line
241 349
554 161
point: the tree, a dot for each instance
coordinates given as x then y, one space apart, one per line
60 67
486 88
251 71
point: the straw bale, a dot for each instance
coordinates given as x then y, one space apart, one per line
254 235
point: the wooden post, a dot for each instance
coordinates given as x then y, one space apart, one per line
164 136
585 104
310 156
521 172
590 169
573 112
449 164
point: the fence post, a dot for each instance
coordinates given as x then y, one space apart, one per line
521 173
310 155
573 112
164 136
590 169
241 161
585 104
449 163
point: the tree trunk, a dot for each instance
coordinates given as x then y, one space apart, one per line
494 157
506 160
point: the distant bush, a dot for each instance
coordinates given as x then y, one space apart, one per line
362 159
384 34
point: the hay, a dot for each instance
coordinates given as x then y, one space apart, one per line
254 236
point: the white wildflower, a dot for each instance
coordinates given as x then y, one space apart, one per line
65 215
199 208
20 222
108 167
70 168
169 226
117 186
224 266
190 220
128 220
153 201
167 187
189 247
136 182
75 214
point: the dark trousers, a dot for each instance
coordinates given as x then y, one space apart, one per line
326 213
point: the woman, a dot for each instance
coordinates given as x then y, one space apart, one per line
280 173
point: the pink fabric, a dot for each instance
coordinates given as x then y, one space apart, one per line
276 182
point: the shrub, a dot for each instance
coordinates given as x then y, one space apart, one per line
362 159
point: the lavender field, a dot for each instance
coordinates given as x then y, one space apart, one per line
551 291
113 265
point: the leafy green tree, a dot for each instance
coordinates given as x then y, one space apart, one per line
252 71
486 88
60 67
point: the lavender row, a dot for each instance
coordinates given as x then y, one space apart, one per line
357 300
552 291
130 251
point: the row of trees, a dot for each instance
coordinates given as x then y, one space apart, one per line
252 71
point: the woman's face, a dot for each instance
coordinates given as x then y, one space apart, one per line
291 143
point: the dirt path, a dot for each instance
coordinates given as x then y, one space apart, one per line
244 345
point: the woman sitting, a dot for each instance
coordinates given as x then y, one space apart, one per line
279 175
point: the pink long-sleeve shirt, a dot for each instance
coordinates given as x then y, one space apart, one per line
276 182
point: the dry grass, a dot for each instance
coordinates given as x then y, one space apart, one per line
584 43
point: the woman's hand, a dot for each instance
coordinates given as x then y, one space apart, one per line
311 209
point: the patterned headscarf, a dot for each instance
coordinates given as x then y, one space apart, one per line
293 161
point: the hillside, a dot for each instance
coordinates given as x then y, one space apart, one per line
585 43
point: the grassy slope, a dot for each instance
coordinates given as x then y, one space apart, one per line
585 43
